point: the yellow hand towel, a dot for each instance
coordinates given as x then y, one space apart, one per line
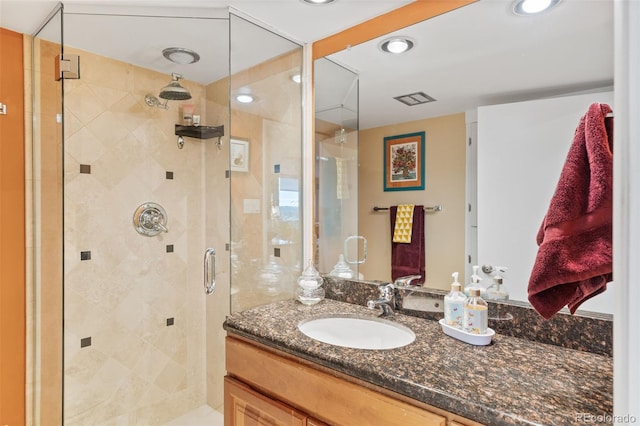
404 224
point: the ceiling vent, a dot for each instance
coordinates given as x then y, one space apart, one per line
415 98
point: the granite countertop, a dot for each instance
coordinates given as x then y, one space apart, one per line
512 381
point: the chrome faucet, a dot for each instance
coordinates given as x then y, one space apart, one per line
407 281
387 301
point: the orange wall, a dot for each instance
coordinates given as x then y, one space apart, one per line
12 231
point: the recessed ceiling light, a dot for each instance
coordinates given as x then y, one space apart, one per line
396 45
532 7
245 98
316 2
180 55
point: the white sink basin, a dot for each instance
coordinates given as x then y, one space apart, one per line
355 331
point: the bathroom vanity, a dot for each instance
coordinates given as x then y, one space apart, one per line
265 384
275 372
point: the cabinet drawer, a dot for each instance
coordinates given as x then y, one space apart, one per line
245 407
328 398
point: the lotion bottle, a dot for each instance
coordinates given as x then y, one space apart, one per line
454 304
187 114
474 282
496 292
476 313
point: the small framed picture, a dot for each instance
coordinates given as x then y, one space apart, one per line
404 162
239 155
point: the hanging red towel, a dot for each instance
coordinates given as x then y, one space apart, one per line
408 259
574 259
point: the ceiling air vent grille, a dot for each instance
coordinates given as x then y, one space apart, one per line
415 98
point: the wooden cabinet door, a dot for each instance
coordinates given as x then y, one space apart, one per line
320 394
245 407
315 422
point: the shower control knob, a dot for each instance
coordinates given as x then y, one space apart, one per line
150 219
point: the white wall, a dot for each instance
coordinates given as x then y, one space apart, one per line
626 198
521 151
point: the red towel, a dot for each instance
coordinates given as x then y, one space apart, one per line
574 260
408 259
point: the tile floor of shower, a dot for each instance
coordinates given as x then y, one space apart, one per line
201 416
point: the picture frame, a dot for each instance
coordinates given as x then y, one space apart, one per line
404 162
239 155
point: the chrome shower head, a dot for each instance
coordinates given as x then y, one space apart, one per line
174 91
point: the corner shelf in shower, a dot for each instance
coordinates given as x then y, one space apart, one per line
200 132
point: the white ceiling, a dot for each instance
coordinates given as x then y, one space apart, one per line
302 22
477 55
483 54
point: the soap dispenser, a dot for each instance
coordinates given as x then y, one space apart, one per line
474 282
310 289
454 304
495 291
476 313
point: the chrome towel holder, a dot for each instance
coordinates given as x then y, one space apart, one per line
427 209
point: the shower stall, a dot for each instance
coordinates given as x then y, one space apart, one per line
138 213
340 250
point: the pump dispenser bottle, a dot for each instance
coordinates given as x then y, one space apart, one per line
476 313
454 303
495 291
474 282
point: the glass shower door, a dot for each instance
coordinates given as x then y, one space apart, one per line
140 341
125 208
265 165
44 301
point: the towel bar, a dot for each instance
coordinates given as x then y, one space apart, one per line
427 209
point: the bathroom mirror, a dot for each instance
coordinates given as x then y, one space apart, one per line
478 56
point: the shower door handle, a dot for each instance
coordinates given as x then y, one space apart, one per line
209 271
364 249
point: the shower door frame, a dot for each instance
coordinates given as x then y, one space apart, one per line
48 379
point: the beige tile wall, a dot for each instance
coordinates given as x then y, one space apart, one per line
137 369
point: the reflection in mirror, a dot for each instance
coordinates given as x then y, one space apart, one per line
336 147
492 58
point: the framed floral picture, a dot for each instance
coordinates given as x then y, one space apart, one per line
404 162
239 155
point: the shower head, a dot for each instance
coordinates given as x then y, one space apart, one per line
174 91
